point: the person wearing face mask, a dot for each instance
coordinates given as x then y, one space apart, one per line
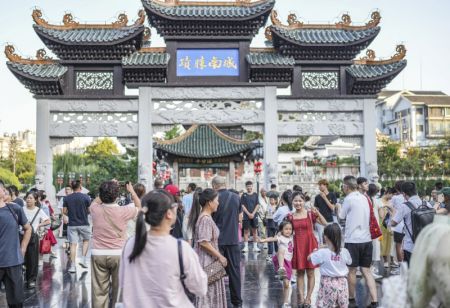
150 271
305 243
205 236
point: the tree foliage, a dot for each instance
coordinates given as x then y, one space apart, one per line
101 148
172 133
9 178
293 146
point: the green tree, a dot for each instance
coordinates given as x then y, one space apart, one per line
101 148
9 178
172 133
13 150
26 164
293 146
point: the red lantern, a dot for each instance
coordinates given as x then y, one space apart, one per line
257 167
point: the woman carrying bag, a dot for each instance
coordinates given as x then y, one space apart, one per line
37 219
206 235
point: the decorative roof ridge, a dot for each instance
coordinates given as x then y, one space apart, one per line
369 59
152 50
41 57
70 24
194 127
239 3
263 49
344 24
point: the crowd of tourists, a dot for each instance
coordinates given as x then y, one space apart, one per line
184 248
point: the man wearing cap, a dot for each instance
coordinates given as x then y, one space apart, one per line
443 208
177 230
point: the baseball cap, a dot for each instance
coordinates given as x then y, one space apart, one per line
445 191
172 189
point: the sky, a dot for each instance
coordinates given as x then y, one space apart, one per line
423 26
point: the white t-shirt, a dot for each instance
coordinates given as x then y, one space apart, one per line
41 216
397 202
356 212
332 265
286 244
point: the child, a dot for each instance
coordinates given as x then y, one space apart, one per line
282 260
333 261
271 226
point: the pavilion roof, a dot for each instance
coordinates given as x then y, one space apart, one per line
204 141
268 57
41 71
215 10
147 57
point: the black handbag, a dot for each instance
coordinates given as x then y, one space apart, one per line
190 295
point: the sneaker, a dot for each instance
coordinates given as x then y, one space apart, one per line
282 273
31 285
256 248
358 273
72 269
245 249
269 258
386 264
395 271
376 276
293 280
83 264
286 305
265 246
394 264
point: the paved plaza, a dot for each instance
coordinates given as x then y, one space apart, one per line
58 288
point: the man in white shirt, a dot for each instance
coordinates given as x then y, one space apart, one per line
358 241
397 200
404 214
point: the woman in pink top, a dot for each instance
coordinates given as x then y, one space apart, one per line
109 223
150 274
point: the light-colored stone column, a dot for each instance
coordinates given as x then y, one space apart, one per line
231 175
175 177
369 167
270 167
44 155
413 125
145 139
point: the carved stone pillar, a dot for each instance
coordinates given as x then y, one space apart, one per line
44 155
270 137
145 140
368 159
231 175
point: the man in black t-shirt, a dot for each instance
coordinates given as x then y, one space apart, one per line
250 205
227 218
76 207
325 202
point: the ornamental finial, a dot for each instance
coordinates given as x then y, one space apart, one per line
369 59
41 57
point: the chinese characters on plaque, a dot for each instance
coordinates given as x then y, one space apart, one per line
207 62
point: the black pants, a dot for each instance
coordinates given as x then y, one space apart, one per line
272 246
13 281
407 256
32 261
233 255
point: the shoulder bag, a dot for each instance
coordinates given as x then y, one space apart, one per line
34 239
189 295
215 271
375 231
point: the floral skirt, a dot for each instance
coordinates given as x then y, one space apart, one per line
333 292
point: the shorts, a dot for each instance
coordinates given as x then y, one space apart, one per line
333 292
361 254
398 237
287 266
250 223
75 233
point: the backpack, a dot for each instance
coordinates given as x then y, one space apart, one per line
420 218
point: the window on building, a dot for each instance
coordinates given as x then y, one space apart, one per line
395 130
419 128
436 112
437 127
390 131
447 112
419 111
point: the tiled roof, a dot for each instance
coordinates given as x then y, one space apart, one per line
204 141
429 99
361 71
265 58
44 71
146 58
326 36
209 11
89 36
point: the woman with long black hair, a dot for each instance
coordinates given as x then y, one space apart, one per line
205 236
150 273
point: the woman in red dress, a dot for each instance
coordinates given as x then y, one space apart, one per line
304 244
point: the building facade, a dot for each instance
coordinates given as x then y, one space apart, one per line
417 118
26 141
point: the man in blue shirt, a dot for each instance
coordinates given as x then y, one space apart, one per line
76 207
12 249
